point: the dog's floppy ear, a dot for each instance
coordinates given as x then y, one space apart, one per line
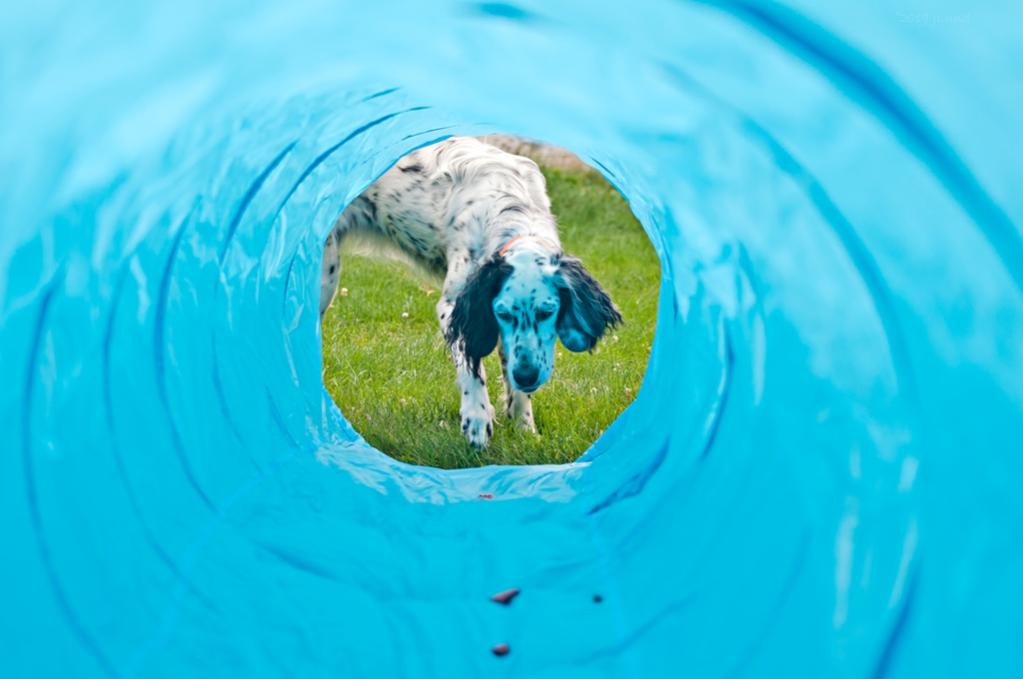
473 325
586 310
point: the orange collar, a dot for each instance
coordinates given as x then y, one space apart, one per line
508 245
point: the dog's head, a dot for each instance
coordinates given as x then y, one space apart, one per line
527 298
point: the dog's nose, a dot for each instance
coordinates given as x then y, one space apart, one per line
526 376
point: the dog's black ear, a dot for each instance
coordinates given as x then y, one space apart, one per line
586 310
473 325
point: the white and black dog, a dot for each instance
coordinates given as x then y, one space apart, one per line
481 218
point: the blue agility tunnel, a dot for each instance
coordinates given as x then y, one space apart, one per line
820 477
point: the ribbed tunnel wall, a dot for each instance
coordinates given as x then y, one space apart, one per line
820 476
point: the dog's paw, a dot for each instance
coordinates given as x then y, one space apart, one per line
526 424
519 410
478 427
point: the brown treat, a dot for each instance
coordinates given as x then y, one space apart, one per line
506 596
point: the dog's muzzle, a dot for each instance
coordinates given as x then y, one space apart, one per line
527 378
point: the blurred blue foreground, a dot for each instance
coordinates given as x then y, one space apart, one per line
819 478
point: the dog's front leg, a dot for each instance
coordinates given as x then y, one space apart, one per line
331 270
476 412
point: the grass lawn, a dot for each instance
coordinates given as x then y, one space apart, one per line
388 368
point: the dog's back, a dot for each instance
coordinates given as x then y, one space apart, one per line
447 197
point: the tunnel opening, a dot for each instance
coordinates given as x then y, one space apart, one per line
388 366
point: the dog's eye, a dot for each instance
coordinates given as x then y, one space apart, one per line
543 314
504 315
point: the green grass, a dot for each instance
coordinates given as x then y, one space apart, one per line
393 379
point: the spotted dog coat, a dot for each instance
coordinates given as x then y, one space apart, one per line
481 218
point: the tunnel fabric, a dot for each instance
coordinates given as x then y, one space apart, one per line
819 476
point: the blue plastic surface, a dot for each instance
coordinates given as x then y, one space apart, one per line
819 478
